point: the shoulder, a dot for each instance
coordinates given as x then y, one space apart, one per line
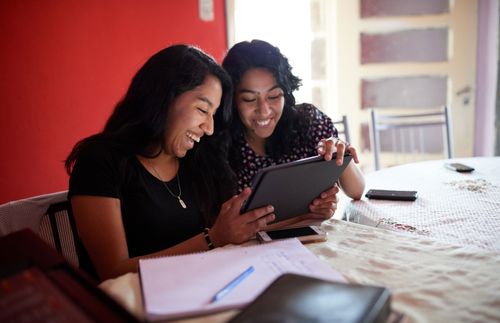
100 156
95 152
310 110
319 125
99 170
315 118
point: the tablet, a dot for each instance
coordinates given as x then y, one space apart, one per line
291 187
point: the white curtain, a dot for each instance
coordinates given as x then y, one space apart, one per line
486 77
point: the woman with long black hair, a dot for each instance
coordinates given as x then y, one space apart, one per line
155 182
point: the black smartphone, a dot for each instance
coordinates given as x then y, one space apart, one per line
394 195
458 167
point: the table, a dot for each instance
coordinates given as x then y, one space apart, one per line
430 280
456 208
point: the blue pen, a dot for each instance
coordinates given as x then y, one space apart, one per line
232 284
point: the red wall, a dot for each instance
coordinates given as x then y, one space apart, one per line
65 64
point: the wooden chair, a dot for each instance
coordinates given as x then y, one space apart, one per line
51 217
409 136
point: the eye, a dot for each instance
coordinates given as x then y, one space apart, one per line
202 110
248 99
275 96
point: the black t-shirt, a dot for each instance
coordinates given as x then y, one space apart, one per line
153 219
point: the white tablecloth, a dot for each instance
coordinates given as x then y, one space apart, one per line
458 208
431 281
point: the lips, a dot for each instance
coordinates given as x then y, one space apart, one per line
263 123
193 136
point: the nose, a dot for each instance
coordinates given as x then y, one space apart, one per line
263 107
208 126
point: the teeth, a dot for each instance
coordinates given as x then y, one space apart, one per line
193 137
263 123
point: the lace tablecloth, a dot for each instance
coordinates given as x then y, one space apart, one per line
458 208
430 281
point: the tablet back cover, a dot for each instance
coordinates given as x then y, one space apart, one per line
291 187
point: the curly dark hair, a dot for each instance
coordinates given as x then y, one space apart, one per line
260 54
138 121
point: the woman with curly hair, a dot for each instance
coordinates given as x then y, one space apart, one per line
150 184
272 129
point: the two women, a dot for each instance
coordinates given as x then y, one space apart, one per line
159 180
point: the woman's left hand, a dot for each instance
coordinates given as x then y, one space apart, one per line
328 146
322 208
326 203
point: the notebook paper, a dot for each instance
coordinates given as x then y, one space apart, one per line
180 286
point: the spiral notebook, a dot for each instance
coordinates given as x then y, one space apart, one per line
182 286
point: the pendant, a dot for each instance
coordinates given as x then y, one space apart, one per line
181 202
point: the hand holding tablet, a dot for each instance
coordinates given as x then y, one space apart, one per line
291 187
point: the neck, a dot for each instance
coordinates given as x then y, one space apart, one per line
163 166
257 144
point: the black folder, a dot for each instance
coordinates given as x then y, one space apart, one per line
296 298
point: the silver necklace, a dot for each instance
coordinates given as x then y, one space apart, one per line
178 197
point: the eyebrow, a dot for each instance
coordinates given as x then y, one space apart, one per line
204 99
257 92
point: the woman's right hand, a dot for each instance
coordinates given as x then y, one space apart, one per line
235 228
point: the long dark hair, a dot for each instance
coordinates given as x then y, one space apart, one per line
138 121
260 54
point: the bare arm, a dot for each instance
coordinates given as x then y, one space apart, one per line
352 182
100 227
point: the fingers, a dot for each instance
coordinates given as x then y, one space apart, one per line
323 214
261 224
340 147
323 150
326 204
238 200
326 207
329 195
233 227
252 221
331 191
235 203
257 214
326 148
354 154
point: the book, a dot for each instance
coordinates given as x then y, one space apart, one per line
185 285
38 285
297 298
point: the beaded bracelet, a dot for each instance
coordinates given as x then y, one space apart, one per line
210 244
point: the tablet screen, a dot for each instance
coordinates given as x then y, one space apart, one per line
291 187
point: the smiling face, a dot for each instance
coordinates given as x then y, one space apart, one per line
260 104
191 116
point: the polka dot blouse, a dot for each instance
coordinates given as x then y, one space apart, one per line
321 127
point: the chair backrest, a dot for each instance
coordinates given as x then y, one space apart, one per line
343 130
410 137
51 217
